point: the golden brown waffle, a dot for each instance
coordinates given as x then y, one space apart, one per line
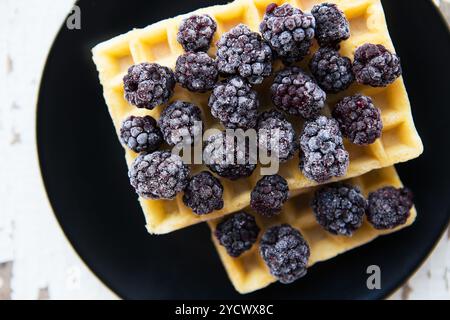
249 272
157 43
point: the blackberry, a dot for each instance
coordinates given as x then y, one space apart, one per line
148 85
269 195
332 26
359 120
296 93
339 208
332 71
204 193
141 134
243 52
181 122
288 31
375 66
389 207
324 155
225 156
285 252
196 32
235 104
237 233
158 175
196 71
276 135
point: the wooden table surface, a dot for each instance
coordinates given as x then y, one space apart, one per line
36 260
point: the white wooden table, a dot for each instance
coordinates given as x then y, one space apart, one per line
36 260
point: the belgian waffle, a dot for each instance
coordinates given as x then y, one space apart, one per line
157 43
249 272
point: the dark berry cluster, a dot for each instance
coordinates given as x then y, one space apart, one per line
196 32
243 52
285 252
339 208
332 71
296 93
141 134
389 207
181 122
158 175
196 71
359 120
276 135
148 85
289 31
234 103
269 195
323 154
331 24
237 233
204 193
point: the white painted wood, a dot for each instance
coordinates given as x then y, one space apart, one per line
36 261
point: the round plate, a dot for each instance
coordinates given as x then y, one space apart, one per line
85 173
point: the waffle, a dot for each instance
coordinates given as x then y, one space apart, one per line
157 43
249 272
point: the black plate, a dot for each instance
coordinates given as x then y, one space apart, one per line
86 176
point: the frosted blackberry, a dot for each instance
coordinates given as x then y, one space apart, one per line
243 52
234 103
389 207
228 158
148 85
288 31
332 26
296 93
323 154
269 195
181 122
204 193
158 175
237 233
196 71
196 32
285 252
359 120
276 136
141 134
375 66
332 71
339 208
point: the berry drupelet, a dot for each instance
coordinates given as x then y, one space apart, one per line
332 26
148 85
243 52
141 134
228 158
323 154
332 71
196 32
204 193
269 195
234 103
196 72
285 252
181 122
288 31
237 233
359 120
375 66
158 175
389 207
296 93
276 135
339 208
